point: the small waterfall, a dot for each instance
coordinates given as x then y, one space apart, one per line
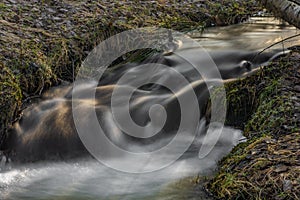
47 132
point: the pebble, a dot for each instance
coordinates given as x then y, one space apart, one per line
58 19
281 168
63 10
50 10
287 185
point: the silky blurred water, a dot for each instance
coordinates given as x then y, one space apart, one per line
89 179
258 33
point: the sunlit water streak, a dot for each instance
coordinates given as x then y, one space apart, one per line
89 179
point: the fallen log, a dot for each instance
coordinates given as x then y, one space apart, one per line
288 10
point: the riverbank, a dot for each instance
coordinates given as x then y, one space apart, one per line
43 43
267 105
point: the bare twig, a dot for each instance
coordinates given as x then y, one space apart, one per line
281 41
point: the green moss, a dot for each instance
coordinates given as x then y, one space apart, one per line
11 97
240 96
262 167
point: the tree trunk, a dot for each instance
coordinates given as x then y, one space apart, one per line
289 10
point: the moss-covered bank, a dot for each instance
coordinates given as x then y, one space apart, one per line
267 106
44 42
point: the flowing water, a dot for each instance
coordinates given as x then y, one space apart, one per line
86 178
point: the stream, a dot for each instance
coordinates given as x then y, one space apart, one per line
86 178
